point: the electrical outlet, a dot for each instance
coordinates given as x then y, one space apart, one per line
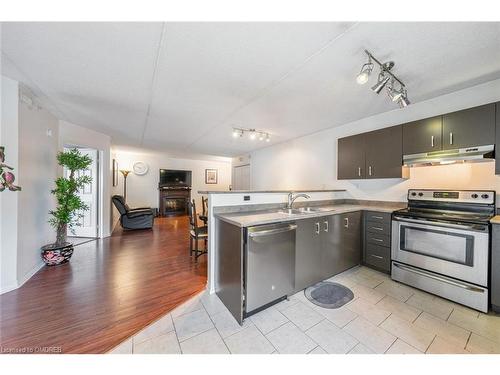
246 197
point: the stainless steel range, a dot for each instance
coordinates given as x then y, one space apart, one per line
440 243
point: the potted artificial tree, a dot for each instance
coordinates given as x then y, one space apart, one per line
70 207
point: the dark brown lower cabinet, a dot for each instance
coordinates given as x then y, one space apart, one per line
377 240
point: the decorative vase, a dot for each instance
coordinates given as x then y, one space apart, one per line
54 255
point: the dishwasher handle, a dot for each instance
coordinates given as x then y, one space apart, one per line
270 232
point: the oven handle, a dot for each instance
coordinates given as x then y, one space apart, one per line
438 278
472 227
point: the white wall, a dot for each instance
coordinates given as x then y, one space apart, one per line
71 134
8 199
143 190
310 162
24 214
37 172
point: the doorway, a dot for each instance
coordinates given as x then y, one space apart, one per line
241 177
88 223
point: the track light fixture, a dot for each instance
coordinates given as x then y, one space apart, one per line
381 82
385 79
252 134
364 73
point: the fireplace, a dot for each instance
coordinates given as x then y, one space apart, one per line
174 200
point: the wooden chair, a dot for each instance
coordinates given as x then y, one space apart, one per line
204 215
196 233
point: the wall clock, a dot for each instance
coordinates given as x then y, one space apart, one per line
140 168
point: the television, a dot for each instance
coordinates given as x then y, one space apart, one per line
170 177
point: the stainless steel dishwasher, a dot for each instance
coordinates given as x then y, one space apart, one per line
270 264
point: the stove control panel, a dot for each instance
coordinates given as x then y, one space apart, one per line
461 196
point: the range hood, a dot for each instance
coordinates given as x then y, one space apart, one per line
460 155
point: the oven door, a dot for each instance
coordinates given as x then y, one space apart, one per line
459 251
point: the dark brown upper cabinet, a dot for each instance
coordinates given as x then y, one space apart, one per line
470 127
384 153
377 154
422 135
351 157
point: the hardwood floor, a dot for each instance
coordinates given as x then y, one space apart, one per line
109 290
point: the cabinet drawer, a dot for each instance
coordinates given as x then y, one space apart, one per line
378 227
378 256
378 239
380 217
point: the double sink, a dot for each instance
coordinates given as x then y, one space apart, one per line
304 210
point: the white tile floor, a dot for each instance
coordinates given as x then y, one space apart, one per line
384 317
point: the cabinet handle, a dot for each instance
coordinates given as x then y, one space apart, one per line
432 141
377 217
317 228
346 222
370 170
377 256
326 226
378 228
377 239
359 171
451 138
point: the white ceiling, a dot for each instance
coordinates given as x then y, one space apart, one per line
180 87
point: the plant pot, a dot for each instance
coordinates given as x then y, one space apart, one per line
54 255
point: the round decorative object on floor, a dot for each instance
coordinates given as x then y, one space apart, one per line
54 255
329 295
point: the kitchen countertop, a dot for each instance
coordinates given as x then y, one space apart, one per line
266 191
246 219
495 219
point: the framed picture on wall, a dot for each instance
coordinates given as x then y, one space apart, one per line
210 176
115 172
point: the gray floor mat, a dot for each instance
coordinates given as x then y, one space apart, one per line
329 295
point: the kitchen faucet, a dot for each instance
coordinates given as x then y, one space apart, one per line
292 198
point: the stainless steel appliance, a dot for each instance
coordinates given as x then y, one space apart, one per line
270 264
440 243
460 155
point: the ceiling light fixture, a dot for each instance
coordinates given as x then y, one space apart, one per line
384 77
381 82
252 134
364 73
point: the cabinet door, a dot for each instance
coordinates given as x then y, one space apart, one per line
470 127
308 256
384 153
341 243
351 158
422 136
351 240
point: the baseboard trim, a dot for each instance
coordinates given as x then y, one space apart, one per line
30 274
8 288
25 278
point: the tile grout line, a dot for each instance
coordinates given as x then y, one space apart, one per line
468 339
199 333
428 346
215 326
317 346
262 333
418 316
382 322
